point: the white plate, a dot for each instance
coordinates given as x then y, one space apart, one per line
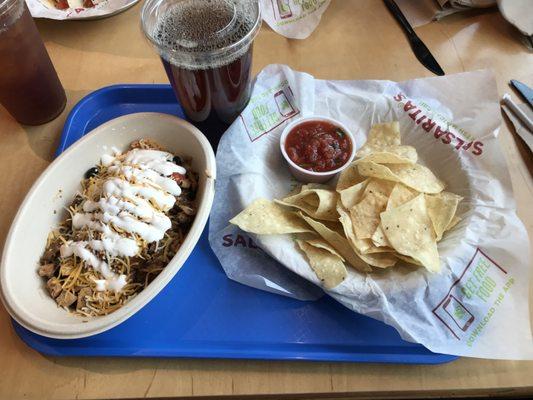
23 292
45 9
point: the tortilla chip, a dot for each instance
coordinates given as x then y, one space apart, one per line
361 247
322 244
339 242
407 152
418 177
358 245
380 260
265 217
379 238
352 195
373 170
409 260
455 220
312 201
310 186
365 214
415 176
317 203
348 177
335 226
328 267
375 249
385 157
395 154
400 194
379 186
441 208
409 231
379 137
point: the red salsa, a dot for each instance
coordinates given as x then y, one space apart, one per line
318 146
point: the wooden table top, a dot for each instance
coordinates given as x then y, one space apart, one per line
357 39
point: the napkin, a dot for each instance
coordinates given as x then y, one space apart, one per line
421 12
295 19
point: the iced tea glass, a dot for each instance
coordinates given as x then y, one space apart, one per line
30 89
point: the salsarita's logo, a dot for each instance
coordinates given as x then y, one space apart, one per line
438 126
237 240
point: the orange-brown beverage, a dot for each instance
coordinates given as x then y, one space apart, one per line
29 87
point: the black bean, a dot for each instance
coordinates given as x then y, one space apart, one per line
177 160
92 172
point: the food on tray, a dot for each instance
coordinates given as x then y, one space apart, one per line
127 222
318 146
385 208
77 4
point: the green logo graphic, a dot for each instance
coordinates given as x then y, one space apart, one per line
268 109
459 312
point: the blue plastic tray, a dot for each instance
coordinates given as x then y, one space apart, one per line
201 313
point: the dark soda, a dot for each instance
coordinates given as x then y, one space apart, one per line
213 98
29 86
206 49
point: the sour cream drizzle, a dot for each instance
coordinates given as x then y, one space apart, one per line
134 200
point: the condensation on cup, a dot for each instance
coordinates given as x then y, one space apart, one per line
206 50
30 89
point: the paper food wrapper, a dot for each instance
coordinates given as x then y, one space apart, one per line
295 19
45 9
422 12
478 305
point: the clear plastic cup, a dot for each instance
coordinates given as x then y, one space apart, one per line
206 50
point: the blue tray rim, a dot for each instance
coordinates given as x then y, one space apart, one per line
63 144
423 357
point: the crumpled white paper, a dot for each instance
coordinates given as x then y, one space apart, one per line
478 305
422 12
44 9
295 19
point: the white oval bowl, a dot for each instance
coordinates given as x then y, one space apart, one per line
23 291
302 174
